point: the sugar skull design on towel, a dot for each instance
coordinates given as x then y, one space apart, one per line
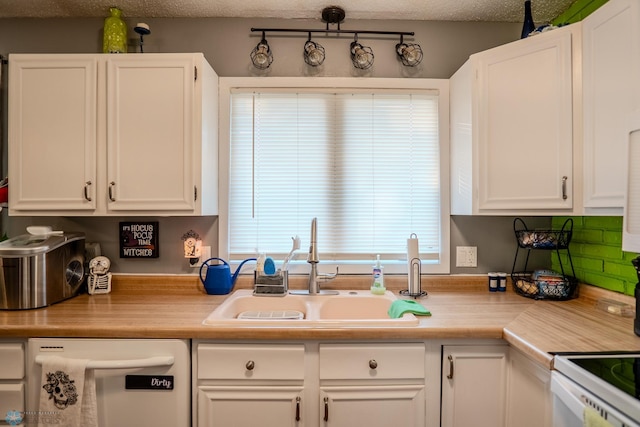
61 389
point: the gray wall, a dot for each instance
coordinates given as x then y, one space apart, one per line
226 43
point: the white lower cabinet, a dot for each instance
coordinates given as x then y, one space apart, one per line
309 384
528 392
245 385
12 380
372 384
474 379
453 383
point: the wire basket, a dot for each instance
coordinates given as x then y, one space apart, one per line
543 239
544 284
559 288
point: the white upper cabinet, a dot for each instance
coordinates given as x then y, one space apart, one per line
631 220
52 132
112 135
512 128
611 91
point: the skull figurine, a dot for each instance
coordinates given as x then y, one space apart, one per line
99 266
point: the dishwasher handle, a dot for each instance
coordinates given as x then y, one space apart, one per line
148 362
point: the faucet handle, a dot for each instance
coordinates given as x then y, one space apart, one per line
327 277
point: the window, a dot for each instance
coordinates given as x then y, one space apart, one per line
366 162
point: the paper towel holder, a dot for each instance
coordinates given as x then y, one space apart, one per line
414 275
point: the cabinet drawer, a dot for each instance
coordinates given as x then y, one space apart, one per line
369 361
11 398
251 362
11 361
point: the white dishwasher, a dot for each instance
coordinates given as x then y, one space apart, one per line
144 382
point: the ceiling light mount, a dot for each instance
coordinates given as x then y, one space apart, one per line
333 15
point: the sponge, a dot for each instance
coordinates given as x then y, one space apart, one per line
401 306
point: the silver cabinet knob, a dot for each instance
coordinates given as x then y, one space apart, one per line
373 364
250 365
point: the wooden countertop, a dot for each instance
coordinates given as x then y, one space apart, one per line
461 307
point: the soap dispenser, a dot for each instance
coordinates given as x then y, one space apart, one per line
377 287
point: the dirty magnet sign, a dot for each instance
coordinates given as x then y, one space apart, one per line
139 239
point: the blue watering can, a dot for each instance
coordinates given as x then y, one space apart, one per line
218 280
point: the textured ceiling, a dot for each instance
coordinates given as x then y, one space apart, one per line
430 10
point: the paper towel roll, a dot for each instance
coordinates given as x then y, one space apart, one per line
413 250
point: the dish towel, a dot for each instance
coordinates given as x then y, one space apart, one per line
68 393
591 418
402 306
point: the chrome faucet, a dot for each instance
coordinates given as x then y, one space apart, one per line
314 278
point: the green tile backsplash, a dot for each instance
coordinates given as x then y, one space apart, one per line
578 10
596 251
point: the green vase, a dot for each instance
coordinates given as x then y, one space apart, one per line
115 33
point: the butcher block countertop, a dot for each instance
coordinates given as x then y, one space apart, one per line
461 307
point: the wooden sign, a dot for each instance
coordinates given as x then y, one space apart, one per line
139 239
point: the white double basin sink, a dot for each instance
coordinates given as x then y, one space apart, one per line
345 309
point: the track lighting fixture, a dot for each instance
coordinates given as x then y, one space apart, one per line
261 55
409 53
313 53
361 56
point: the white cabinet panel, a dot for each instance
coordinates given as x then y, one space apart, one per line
12 361
373 406
251 361
631 219
266 406
512 121
473 386
610 94
52 132
371 361
528 392
525 125
11 398
150 105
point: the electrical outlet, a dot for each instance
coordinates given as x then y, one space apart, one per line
466 256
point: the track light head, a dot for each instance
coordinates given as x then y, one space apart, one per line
361 56
409 53
261 55
313 53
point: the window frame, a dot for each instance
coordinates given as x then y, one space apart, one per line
227 84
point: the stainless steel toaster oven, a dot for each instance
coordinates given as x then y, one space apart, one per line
36 271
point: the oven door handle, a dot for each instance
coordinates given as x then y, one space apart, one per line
148 362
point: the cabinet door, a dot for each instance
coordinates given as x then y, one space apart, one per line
473 386
525 118
372 406
52 132
529 393
631 219
150 132
610 89
250 406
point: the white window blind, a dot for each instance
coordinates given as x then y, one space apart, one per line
365 164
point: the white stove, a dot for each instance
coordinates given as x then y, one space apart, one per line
606 382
